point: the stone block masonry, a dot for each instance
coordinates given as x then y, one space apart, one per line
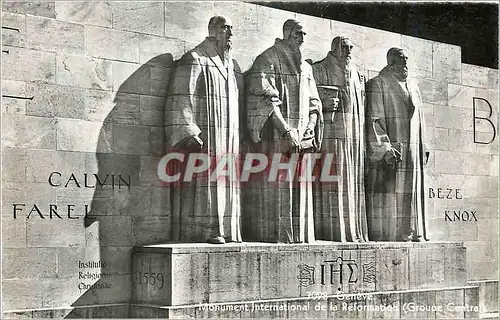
97 73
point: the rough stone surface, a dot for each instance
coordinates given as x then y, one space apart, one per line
192 24
12 105
446 62
234 270
112 44
36 8
337 307
375 46
29 65
98 73
87 13
420 52
52 35
474 76
13 37
75 135
84 72
142 17
29 132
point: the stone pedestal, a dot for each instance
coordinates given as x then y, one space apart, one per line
174 280
488 298
447 303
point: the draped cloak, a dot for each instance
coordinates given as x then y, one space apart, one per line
203 102
280 210
340 213
395 196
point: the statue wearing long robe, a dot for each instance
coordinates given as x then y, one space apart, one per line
395 193
280 210
340 206
203 102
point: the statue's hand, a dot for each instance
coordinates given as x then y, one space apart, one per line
308 134
331 104
273 102
335 104
293 140
392 157
194 143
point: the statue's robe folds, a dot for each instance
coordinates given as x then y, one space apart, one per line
280 210
339 207
203 101
395 196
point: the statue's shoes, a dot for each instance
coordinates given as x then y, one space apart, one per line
217 240
232 241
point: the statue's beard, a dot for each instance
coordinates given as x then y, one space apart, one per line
295 47
401 73
296 52
347 60
224 46
228 44
347 67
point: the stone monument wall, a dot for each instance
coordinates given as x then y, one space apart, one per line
82 131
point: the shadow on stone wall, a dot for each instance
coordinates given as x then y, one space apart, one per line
132 136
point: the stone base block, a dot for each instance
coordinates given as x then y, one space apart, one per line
186 274
488 296
37 314
490 315
448 303
81 312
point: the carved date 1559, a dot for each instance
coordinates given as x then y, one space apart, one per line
151 278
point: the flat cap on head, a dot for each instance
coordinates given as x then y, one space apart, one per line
393 53
289 26
337 43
